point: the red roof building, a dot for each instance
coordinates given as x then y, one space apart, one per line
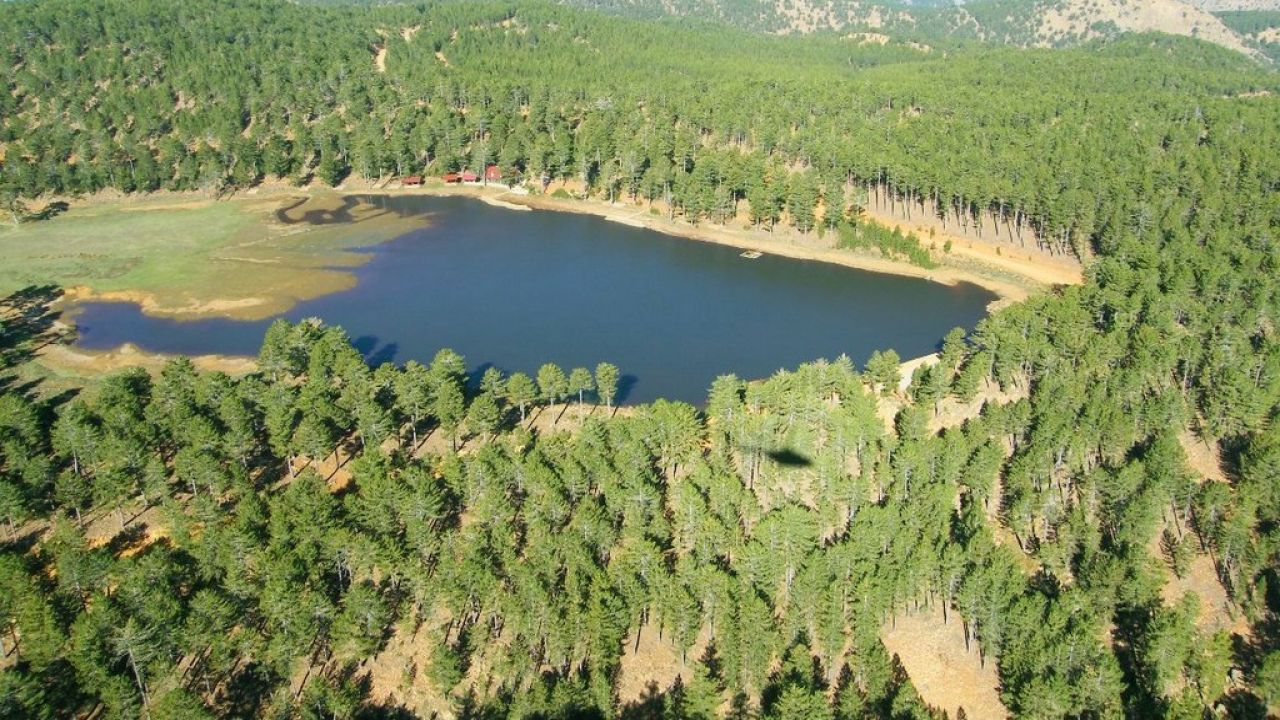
411 180
451 177
493 173
468 176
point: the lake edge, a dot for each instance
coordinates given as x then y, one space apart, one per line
1007 282
120 348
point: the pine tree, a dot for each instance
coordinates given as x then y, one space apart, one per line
606 381
521 391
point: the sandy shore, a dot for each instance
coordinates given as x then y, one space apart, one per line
908 368
67 360
238 308
1011 276
1033 265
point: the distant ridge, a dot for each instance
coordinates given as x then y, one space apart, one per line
1022 23
1225 5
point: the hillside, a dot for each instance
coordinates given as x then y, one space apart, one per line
1033 23
1259 28
1223 5
1076 20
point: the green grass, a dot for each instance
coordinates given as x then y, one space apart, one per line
110 248
184 257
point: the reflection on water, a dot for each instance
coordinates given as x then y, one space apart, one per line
516 289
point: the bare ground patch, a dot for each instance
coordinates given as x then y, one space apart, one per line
953 412
397 674
1217 612
539 419
1081 17
152 306
102 528
946 674
653 662
1029 264
1204 459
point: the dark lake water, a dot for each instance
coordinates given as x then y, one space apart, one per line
516 289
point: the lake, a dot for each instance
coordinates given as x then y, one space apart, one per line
516 289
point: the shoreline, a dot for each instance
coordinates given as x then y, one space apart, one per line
1012 277
1009 277
238 309
1025 281
68 360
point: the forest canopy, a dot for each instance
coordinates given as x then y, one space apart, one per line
204 95
194 545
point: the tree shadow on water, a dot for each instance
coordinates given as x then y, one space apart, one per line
474 376
298 212
373 353
626 384
317 215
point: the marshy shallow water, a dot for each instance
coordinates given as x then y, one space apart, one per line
516 289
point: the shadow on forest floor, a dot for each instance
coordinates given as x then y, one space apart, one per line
787 457
48 212
28 323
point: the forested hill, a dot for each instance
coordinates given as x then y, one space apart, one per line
147 95
1022 23
1083 493
1260 28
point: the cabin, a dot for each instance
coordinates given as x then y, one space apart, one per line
468 176
411 180
493 173
451 177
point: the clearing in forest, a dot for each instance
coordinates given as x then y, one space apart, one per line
1217 612
400 674
1204 458
943 671
1216 609
653 664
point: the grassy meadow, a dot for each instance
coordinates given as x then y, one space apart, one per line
248 258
